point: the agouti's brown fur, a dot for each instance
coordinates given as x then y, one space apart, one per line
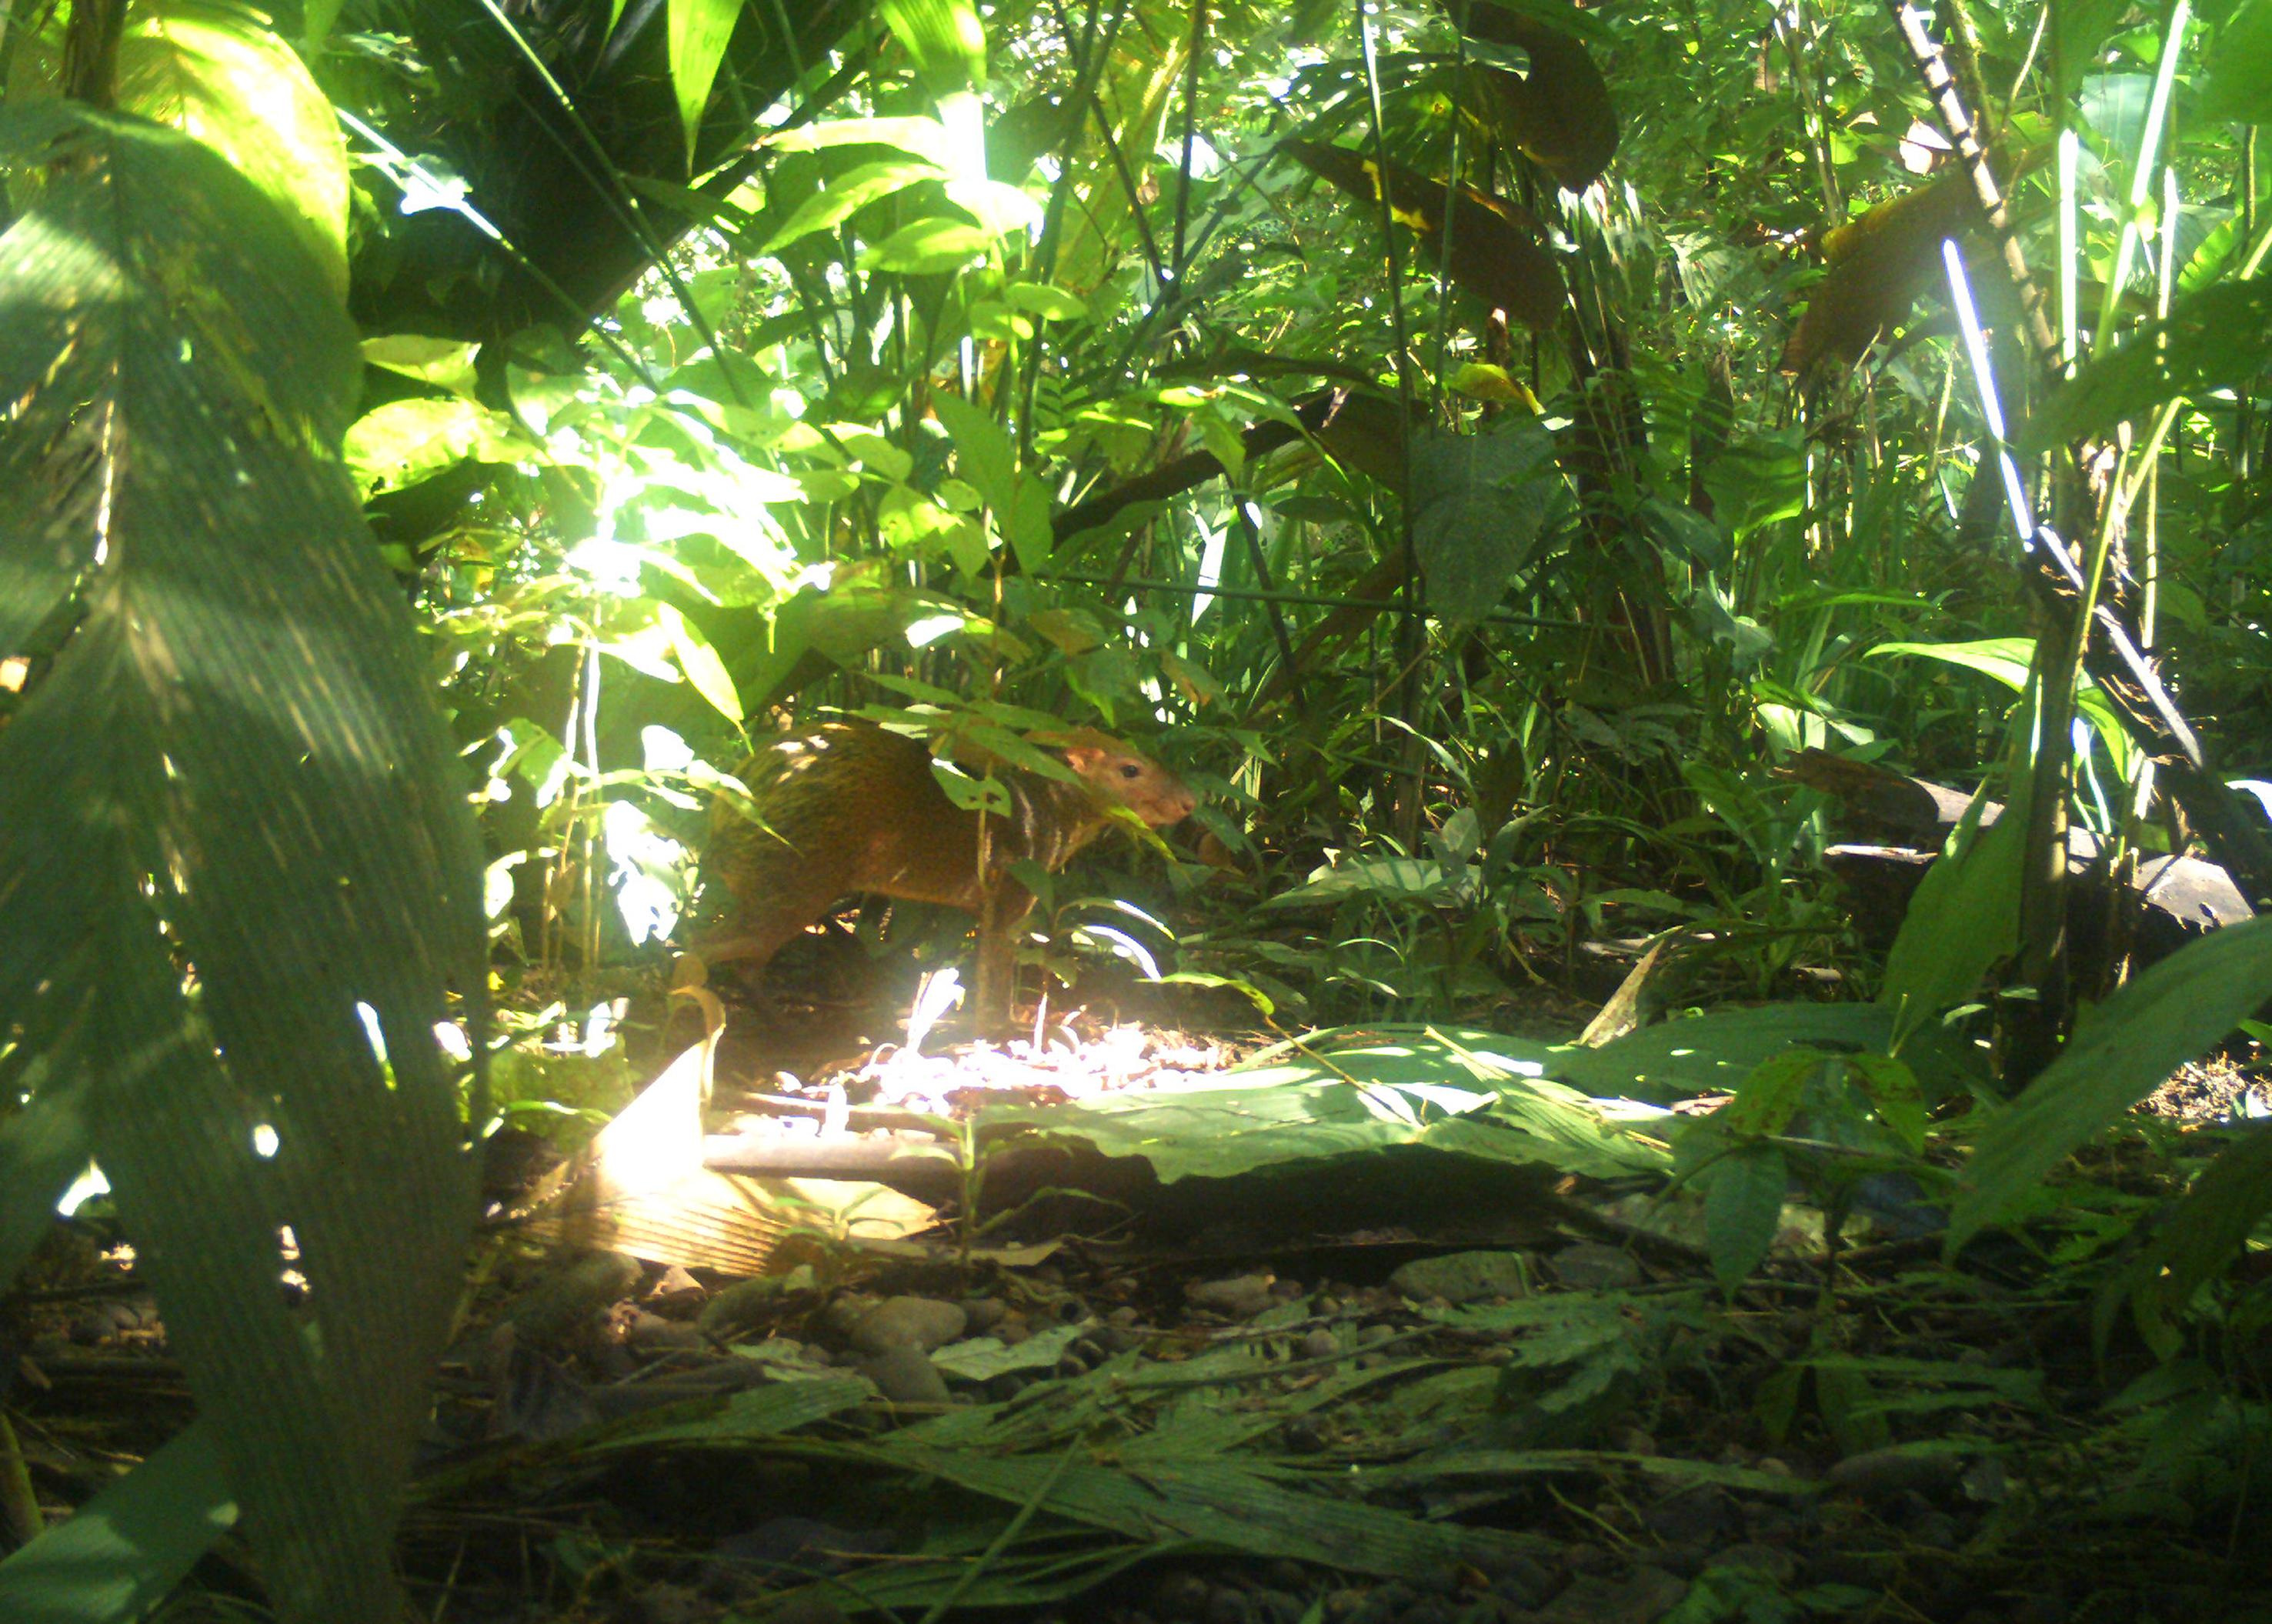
849 807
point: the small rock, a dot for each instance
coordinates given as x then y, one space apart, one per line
905 1374
1464 1276
651 1333
1884 1472
1591 1267
805 1610
1319 1344
1241 1297
982 1314
1779 1567
908 1321
1643 1596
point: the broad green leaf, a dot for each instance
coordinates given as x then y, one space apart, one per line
2169 1015
846 195
121 1552
220 75
699 30
2007 660
2216 339
1962 919
447 363
274 799
1757 482
1044 300
405 441
1702 1054
1743 1207
2079 29
700 662
928 247
926 138
1478 502
1001 209
944 37
2239 87
983 452
2201 1239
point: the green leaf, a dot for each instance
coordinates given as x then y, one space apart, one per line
1700 1054
983 452
2171 1015
699 30
405 441
926 138
944 37
700 662
218 74
273 799
447 363
123 1551
1479 501
1045 300
846 195
1962 919
2218 338
928 247
2240 68
1743 1207
2007 660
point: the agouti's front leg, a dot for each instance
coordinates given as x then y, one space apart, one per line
1002 912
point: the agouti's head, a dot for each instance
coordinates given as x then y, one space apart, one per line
1118 773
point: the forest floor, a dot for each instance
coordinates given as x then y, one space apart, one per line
1145 1327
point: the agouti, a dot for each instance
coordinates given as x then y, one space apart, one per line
851 807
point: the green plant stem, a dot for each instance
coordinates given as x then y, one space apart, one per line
1408 631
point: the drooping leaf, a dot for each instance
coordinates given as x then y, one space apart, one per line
1495 251
235 853
2170 1014
2214 339
1559 112
699 31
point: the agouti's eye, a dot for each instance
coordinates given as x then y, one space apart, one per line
1129 770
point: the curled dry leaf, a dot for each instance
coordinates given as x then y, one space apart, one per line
1495 251
1882 259
1559 114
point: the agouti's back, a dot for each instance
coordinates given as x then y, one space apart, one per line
851 807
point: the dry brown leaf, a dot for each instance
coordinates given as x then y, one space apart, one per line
1559 114
1495 250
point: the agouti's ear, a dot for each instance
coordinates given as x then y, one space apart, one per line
1080 758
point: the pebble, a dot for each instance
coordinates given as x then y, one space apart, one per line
1241 1297
1591 1267
921 1322
905 1374
1464 1277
